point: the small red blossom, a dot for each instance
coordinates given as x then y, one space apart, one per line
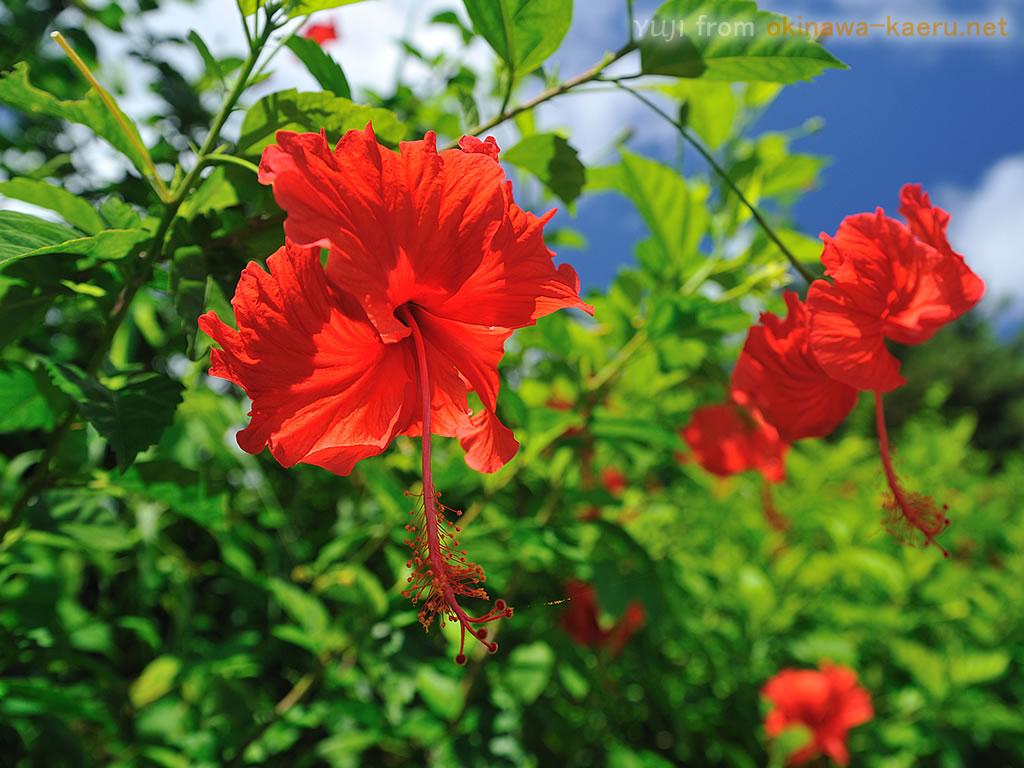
430 268
828 702
614 480
730 437
580 620
321 33
780 377
890 281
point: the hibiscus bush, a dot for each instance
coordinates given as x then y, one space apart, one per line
645 525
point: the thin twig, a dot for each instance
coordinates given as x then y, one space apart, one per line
693 142
584 77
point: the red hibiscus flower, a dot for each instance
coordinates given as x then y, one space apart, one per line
828 702
580 620
732 437
890 281
321 33
431 266
780 377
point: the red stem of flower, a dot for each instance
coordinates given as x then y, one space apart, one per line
438 565
917 510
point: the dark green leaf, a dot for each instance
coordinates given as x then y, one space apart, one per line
522 32
131 418
551 159
320 65
76 211
730 40
293 111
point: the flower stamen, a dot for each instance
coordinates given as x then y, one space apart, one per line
441 570
907 512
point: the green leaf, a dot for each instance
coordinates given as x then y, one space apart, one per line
522 32
16 91
441 693
21 233
23 236
27 399
75 211
296 7
730 40
673 208
710 108
156 680
293 111
212 65
303 607
528 670
550 158
320 65
131 418
979 667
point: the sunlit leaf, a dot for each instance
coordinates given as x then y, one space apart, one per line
522 32
303 112
730 40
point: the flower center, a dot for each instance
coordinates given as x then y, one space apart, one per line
440 571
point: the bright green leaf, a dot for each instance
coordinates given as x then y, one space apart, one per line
440 692
550 158
303 607
673 208
296 7
26 399
320 65
156 680
528 670
293 111
21 233
522 32
75 210
16 91
730 40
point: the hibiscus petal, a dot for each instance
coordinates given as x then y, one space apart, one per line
325 390
780 377
847 342
489 444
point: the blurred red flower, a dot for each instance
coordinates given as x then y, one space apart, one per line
614 480
430 268
580 620
321 33
890 281
828 702
780 377
731 437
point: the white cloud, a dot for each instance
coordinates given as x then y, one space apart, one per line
987 226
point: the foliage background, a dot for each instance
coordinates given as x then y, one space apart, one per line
167 600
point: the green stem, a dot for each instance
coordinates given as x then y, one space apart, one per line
584 77
692 141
